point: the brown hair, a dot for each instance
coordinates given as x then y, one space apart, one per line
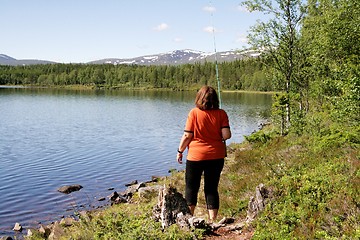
206 98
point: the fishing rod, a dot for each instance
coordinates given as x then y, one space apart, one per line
217 68
216 63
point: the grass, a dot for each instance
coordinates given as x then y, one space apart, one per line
314 179
316 187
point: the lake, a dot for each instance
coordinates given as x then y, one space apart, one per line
99 139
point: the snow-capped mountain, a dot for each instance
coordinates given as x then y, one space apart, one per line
171 58
180 57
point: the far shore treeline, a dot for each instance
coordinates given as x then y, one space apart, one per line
247 74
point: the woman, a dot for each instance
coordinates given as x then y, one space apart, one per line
207 127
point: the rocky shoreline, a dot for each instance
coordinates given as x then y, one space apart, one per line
50 231
171 208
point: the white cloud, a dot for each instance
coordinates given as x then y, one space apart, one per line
210 29
209 9
161 27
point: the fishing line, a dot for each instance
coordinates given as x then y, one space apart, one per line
216 63
216 66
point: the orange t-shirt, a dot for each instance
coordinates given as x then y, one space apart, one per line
206 126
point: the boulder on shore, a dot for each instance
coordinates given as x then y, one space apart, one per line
70 188
131 183
17 227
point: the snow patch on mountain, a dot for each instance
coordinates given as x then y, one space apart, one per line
176 57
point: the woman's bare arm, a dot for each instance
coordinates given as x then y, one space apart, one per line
226 133
184 142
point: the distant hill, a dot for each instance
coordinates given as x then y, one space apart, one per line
176 57
7 60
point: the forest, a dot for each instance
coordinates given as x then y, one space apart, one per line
238 75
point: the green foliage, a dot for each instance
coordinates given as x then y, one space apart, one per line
279 111
328 134
258 137
315 188
330 36
307 203
313 174
131 221
246 74
279 37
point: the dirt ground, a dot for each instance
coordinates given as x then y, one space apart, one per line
235 231
221 234
224 232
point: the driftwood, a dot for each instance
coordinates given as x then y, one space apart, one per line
257 203
171 206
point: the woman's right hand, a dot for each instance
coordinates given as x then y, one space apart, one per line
179 157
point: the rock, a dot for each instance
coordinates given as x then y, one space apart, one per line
70 188
170 204
6 238
172 170
101 199
262 125
17 227
128 196
155 178
45 231
56 232
257 203
30 232
84 216
131 183
129 192
119 200
113 196
67 222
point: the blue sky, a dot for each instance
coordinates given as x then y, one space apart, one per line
85 30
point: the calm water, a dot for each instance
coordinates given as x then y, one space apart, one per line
99 139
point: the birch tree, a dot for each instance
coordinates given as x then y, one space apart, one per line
279 38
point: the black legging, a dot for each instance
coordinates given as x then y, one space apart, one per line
212 170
